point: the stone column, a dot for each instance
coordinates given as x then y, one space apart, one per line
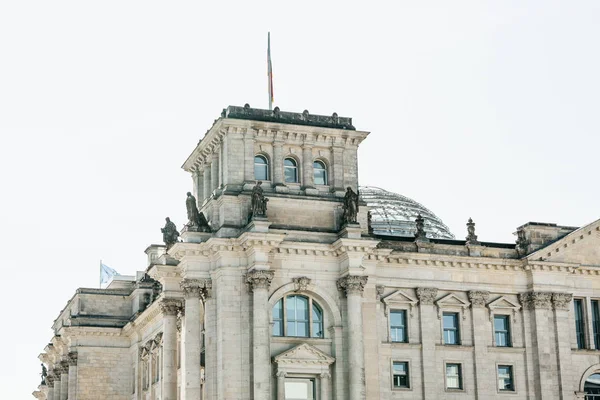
479 299
538 304
220 177
277 162
193 290
57 384
169 308
198 181
259 282
354 286
214 171
337 165
429 325
561 303
72 390
206 184
281 385
50 384
325 376
64 380
307 167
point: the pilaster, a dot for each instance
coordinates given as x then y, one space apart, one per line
560 304
429 325
214 171
207 182
169 308
479 299
72 390
307 167
277 162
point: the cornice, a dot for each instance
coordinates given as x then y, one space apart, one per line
79 331
143 319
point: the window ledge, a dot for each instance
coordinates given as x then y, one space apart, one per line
294 339
403 345
505 349
449 390
460 347
585 351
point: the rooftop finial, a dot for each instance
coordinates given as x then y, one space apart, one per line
471 236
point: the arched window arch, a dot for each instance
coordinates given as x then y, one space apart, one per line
261 168
320 172
290 170
592 385
297 316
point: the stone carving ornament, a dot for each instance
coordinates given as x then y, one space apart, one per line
478 298
170 306
259 279
301 283
471 236
170 233
72 358
531 300
561 301
196 220
426 295
420 234
196 288
259 201
350 206
352 284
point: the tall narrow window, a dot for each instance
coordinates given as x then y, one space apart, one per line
579 323
278 318
290 169
317 321
451 329
502 330
596 322
297 316
320 173
505 378
398 326
400 376
261 168
454 376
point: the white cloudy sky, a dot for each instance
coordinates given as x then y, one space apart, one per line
481 109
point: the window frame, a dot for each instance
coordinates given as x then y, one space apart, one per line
512 377
325 170
408 372
458 329
406 335
267 166
595 311
509 338
461 374
583 334
284 321
296 168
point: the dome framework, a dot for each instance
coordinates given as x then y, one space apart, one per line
394 215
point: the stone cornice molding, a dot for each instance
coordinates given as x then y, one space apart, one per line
438 260
478 298
79 331
347 246
561 301
259 279
571 239
426 295
301 283
535 300
72 358
143 319
196 288
169 306
352 284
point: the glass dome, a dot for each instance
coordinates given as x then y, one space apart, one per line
394 215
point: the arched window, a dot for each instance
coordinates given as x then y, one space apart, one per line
261 168
592 386
290 169
297 316
320 173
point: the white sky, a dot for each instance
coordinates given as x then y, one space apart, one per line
477 109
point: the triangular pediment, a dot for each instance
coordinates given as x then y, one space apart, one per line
503 302
399 297
304 353
581 246
451 300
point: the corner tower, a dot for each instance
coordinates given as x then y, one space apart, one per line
305 162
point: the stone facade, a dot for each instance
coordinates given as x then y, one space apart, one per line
295 304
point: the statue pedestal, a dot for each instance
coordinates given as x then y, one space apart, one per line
350 231
259 224
475 250
195 237
166 259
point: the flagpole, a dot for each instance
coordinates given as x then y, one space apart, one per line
269 71
100 280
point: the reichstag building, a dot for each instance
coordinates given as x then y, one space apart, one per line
289 281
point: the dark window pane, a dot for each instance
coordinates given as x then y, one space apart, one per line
505 378
400 377
261 168
596 322
451 331
320 173
579 323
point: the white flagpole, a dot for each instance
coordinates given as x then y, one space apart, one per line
100 284
270 71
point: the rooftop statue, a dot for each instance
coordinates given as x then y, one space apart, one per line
471 236
350 207
170 233
44 374
196 220
259 201
420 235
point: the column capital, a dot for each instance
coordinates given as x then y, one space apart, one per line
72 358
259 279
50 378
281 374
426 295
535 300
325 375
478 298
200 288
170 306
561 301
63 367
352 284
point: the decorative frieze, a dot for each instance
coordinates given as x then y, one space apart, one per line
352 284
259 279
478 298
301 283
426 295
170 306
535 300
200 288
561 301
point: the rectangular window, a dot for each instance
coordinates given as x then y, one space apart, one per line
502 330
398 326
400 375
300 389
451 329
454 376
579 323
596 322
505 378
